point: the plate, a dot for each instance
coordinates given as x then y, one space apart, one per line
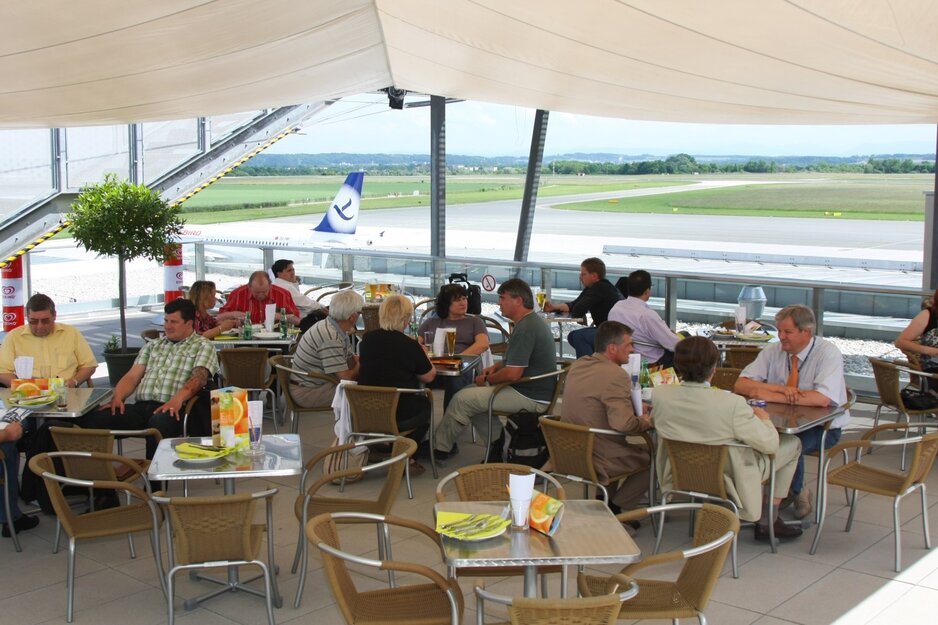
722 335
32 402
477 537
200 462
266 335
757 336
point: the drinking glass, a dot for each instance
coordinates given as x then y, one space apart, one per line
520 511
428 337
451 343
541 296
255 425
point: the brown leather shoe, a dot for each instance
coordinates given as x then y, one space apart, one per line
782 530
803 503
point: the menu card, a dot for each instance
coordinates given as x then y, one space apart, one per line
546 513
230 417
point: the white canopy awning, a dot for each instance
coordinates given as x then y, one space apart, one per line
724 61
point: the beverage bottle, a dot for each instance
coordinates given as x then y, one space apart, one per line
283 322
247 332
644 378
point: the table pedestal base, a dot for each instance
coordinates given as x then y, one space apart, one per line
232 584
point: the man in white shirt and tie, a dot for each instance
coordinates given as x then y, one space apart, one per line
801 369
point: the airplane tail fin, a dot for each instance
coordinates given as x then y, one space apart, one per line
342 216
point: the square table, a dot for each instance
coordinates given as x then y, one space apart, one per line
588 534
282 456
793 419
81 401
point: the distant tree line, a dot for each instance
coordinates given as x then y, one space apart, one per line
410 165
687 164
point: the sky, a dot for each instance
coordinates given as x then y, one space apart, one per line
365 124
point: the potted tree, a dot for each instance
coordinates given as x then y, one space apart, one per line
129 221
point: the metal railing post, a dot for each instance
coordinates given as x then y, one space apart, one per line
348 268
547 280
198 249
817 305
670 302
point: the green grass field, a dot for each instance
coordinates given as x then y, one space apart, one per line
238 199
847 196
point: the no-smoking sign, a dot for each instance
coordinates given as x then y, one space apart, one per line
488 282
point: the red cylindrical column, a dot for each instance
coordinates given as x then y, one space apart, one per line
13 300
172 272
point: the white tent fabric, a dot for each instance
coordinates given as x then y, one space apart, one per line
722 61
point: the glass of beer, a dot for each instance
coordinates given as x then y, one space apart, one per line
541 296
451 343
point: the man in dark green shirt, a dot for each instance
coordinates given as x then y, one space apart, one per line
530 353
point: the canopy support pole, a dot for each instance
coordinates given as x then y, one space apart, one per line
533 177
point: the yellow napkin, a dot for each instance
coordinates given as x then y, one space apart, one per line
225 337
467 526
190 451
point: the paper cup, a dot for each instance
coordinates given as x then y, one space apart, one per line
270 311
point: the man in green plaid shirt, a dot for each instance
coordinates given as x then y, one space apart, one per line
165 375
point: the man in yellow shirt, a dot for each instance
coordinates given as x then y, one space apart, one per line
58 346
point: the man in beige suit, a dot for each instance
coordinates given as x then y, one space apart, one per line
597 394
696 413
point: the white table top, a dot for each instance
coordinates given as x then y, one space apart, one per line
588 534
282 456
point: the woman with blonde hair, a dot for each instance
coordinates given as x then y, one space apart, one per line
388 357
202 293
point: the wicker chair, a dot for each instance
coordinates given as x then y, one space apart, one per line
697 471
571 455
283 371
314 500
738 356
138 517
725 378
208 532
370 318
249 368
424 308
486 482
438 601
81 468
857 475
687 597
500 346
889 386
8 513
374 412
599 610
151 334
560 375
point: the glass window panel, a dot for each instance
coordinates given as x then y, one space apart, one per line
221 126
94 151
167 145
25 167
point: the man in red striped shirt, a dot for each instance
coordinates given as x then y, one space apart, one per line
254 296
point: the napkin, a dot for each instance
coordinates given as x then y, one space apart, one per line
189 451
546 513
635 367
270 311
467 526
23 366
521 487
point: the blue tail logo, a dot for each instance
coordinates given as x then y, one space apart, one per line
342 216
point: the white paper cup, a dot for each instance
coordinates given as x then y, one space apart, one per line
520 511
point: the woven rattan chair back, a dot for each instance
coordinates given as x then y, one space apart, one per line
150 334
601 610
82 439
370 317
373 408
500 345
211 529
923 458
738 356
887 383
698 468
245 367
571 448
725 378
699 575
432 600
487 482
